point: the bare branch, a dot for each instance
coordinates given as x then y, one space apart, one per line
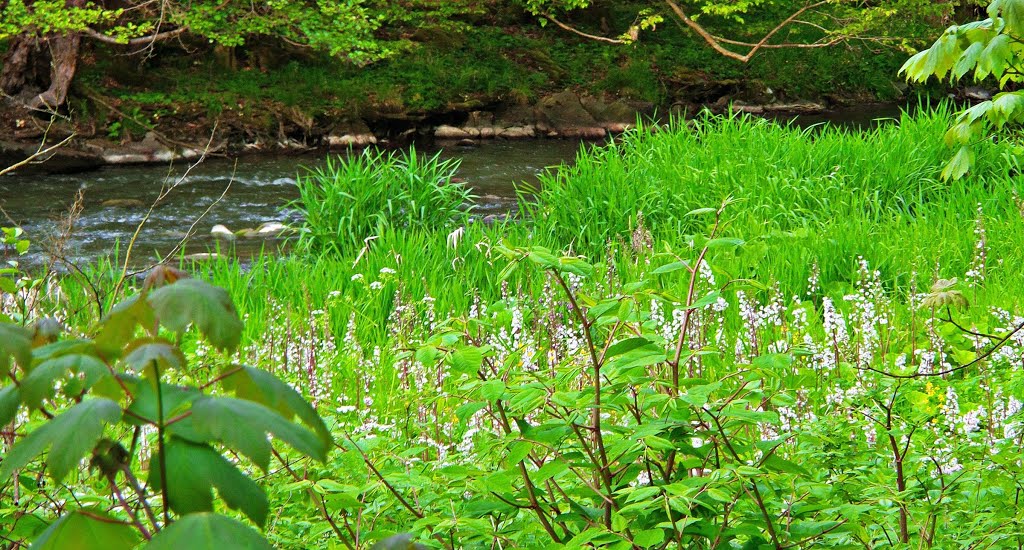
95 35
34 156
716 43
583 34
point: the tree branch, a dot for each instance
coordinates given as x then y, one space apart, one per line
96 35
581 33
716 42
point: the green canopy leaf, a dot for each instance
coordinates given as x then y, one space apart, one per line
87 529
262 387
16 342
195 469
243 426
39 383
142 353
208 531
119 324
195 302
72 435
10 400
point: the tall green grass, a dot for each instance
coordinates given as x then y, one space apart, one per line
352 198
804 201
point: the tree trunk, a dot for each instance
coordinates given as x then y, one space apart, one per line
22 73
63 64
15 69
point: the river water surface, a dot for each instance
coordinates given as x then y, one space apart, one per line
115 199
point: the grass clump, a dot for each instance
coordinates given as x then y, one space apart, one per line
353 198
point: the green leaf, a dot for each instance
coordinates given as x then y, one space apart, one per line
467 360
960 164
208 531
1012 12
72 435
120 323
143 352
649 537
195 302
624 346
16 342
1009 106
87 529
243 426
10 400
724 242
39 383
398 542
968 60
669 268
195 469
262 387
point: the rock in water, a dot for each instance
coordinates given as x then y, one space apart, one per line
221 232
123 203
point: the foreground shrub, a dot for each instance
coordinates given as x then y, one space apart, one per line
353 198
153 437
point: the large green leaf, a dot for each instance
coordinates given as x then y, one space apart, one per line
960 164
262 387
243 426
39 383
72 435
86 529
1012 12
195 302
120 323
143 352
195 469
16 342
10 399
177 400
208 531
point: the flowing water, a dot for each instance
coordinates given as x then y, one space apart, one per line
256 190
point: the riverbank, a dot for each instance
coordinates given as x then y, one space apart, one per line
502 77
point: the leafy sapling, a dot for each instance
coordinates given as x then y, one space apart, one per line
102 400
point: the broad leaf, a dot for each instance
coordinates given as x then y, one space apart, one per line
72 435
194 470
10 399
195 302
262 387
143 352
120 323
243 426
960 164
467 360
16 342
39 383
87 529
208 531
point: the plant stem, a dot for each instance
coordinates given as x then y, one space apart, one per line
162 449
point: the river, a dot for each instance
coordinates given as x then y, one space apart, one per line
115 200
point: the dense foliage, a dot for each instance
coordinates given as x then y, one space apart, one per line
985 49
128 411
829 358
